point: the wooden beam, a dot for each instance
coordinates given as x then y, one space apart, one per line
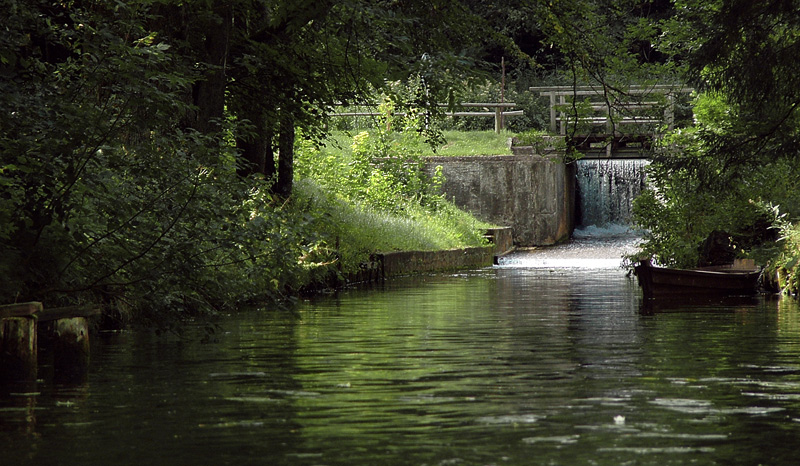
489 105
71 350
604 120
484 114
20 309
68 312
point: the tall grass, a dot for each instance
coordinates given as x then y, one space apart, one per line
363 207
357 230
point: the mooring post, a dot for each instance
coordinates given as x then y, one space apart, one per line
71 350
68 331
18 345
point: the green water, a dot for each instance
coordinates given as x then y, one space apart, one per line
509 365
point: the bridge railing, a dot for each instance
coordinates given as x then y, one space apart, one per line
651 106
498 110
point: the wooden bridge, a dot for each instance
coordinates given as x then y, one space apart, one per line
601 121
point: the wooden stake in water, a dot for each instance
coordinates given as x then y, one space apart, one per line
18 345
71 350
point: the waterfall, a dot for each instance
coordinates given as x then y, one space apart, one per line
605 190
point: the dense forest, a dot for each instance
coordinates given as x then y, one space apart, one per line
149 147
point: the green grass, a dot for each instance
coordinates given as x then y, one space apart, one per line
459 143
463 143
359 217
362 230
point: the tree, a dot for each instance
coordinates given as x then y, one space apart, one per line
745 53
118 183
739 162
118 168
293 61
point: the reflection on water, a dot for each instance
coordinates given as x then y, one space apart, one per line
510 365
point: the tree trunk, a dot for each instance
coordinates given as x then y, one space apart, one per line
283 186
209 92
256 150
269 157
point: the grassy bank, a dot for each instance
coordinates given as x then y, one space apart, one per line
355 230
366 204
158 243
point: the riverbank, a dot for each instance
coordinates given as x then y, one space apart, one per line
216 240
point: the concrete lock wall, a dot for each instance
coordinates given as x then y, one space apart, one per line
530 193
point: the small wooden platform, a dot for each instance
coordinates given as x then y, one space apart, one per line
19 345
35 309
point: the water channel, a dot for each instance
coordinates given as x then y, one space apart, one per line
536 361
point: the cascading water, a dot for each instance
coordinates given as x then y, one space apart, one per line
606 189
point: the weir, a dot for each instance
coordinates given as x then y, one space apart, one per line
543 199
605 190
527 192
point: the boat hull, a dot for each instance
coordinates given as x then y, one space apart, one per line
661 282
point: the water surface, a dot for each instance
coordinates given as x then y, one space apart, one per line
511 365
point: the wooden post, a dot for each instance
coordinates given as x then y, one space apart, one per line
71 350
553 127
669 112
498 119
610 130
18 350
502 93
18 345
70 339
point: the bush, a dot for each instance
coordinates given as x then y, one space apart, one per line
787 264
692 194
107 197
382 169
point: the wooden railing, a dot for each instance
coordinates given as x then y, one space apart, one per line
637 105
493 109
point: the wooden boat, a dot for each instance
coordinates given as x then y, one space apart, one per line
738 279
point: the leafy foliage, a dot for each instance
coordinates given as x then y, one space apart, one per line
687 179
787 263
738 164
122 149
106 197
384 168
742 53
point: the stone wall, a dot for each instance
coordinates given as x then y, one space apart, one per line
527 192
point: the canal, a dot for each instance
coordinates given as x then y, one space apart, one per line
548 358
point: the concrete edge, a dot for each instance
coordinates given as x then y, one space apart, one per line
404 263
394 264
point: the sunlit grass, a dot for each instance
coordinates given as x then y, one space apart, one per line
358 220
463 143
458 143
362 230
